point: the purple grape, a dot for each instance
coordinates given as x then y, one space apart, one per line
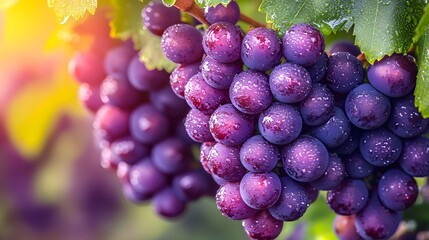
128 150
155 19
344 72
220 75
116 90
260 190
90 97
259 155
144 79
171 156
397 190
349 197
181 75
146 179
394 75
318 106
405 119
108 160
376 221
280 124
220 13
380 147
230 203
165 101
345 46
318 70
224 162
133 196
303 44
168 204
306 159
199 95
312 192
181 43
366 107
231 127
111 123
344 227
197 126
250 92
357 166
262 226
290 83
148 125
351 143
117 59
204 155
335 131
222 42
293 201
123 171
192 185
333 176
261 49
414 159
87 68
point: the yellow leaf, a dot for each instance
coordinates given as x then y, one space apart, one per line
64 9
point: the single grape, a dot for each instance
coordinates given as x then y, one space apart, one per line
260 190
261 49
87 68
335 131
155 19
230 203
222 42
306 159
344 72
262 226
220 75
192 185
168 204
312 192
357 166
171 156
414 159
146 179
318 106
148 125
333 176
366 107
89 96
303 44
394 75
344 227
231 127
224 162
144 79
117 59
204 155
116 90
197 126
351 143
250 92
318 70
165 101
345 46
181 43
290 83
220 13
129 150
181 75
380 147
111 123
259 155
133 196
349 197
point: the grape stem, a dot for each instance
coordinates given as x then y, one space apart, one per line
361 57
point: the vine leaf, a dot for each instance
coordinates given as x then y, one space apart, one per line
423 23
211 3
422 87
151 53
64 9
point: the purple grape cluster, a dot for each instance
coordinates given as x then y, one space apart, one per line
280 119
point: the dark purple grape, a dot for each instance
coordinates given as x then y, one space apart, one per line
290 83
128 150
116 90
220 75
148 125
351 143
230 203
87 68
171 156
197 126
366 107
181 75
224 162
133 196
344 227
318 70
318 106
380 146
231 127
199 95
261 49
357 166
181 43
259 155
155 19
376 221
293 201
89 96
306 159
312 192
144 79
280 124
333 176
111 123
405 119
349 197
345 46
303 44
260 190
397 190
335 131
414 159
165 101
146 179
262 226
204 155
117 59
250 92
168 204
220 13
344 72
393 75
192 185
222 42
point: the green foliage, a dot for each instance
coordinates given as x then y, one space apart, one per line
423 23
211 3
422 87
151 53
169 2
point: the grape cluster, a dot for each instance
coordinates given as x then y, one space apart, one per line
139 124
280 119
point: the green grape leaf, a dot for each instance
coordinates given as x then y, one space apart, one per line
383 27
423 23
151 53
127 22
211 3
169 2
422 87
65 9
